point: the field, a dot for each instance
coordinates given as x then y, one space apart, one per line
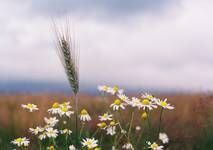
189 126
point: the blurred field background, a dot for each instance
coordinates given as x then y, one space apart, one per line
189 126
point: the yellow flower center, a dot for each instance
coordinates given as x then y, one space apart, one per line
105 88
89 142
102 124
163 103
97 148
64 109
19 140
84 112
30 105
116 88
150 96
117 102
55 105
154 145
112 123
105 116
65 130
144 115
51 148
146 102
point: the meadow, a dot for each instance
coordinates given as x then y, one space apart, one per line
189 126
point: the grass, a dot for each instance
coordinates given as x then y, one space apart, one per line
189 126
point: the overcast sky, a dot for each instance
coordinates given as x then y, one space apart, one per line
163 44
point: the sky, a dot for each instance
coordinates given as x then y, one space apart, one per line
166 45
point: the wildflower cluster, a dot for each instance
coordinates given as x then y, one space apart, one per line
111 131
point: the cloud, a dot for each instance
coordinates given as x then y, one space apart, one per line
170 50
105 9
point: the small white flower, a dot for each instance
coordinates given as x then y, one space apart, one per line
72 147
84 115
111 130
51 133
102 125
115 90
147 96
52 121
64 111
124 98
164 104
21 142
36 131
128 146
42 136
155 146
66 131
30 107
146 103
105 117
137 128
89 143
135 102
103 88
164 138
55 109
117 104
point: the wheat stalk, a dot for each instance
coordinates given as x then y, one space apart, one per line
68 55
69 58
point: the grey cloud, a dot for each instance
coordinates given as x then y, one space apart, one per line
99 8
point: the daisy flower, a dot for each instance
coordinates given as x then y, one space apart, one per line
124 98
105 117
64 111
155 146
51 133
65 104
164 138
42 136
36 131
147 96
30 107
90 143
164 104
84 115
55 109
21 142
117 104
52 121
103 88
146 103
102 125
128 146
66 131
135 102
72 147
115 90
111 129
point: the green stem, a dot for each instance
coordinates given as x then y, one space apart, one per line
39 142
66 137
95 132
149 123
160 120
81 130
130 126
76 121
